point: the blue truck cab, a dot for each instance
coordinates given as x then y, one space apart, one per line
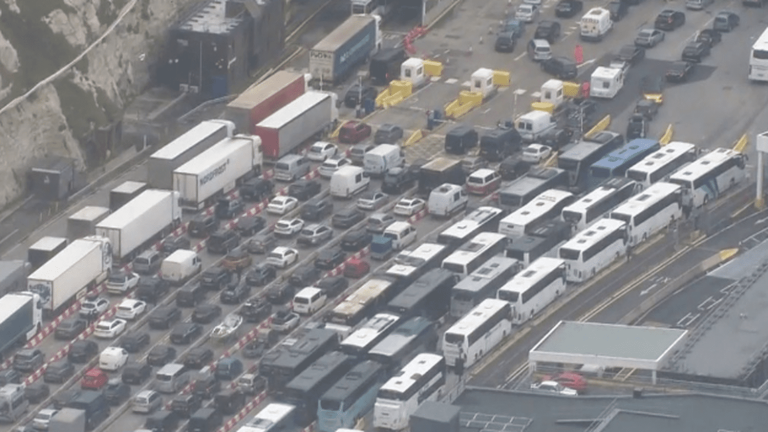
381 247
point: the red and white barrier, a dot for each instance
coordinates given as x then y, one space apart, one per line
250 406
310 428
418 216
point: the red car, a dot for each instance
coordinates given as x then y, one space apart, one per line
94 379
569 379
353 131
356 269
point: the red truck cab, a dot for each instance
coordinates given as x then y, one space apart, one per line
353 131
94 379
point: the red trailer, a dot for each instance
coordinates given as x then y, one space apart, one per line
262 100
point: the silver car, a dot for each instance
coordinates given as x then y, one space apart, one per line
147 402
527 13
649 37
372 200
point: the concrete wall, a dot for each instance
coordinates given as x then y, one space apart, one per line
435 8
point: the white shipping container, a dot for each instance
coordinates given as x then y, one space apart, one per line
83 223
217 170
145 217
68 274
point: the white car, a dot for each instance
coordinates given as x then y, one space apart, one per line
113 358
332 165
554 387
288 227
282 205
130 309
409 206
535 153
527 13
43 419
372 200
321 150
110 329
94 308
282 257
120 282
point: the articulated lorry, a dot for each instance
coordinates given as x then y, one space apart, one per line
21 317
311 115
83 223
124 193
335 57
45 249
67 276
13 276
150 216
265 98
68 420
218 170
183 149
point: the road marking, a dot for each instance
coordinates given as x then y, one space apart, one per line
520 92
536 95
435 79
586 63
466 84
451 81
649 289
759 221
519 57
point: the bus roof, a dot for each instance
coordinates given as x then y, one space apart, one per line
401 336
651 195
703 164
407 377
368 332
580 151
358 299
315 373
359 375
627 151
539 205
292 355
603 191
490 269
594 233
662 156
270 415
469 322
761 44
420 288
532 274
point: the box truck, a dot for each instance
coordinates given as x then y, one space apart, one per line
217 170
13 276
79 267
44 249
68 420
21 317
83 223
124 193
264 99
150 216
312 114
335 57
183 149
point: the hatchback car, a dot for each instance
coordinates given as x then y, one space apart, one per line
536 153
679 71
10 376
69 329
329 259
409 206
631 54
314 234
185 333
560 67
255 310
237 260
710 37
304 189
110 329
332 165
235 293
135 341
173 243
514 26
358 151
198 358
548 30
505 42
37 392
317 210
136 373
288 227
649 37
281 205
321 150
160 355
388 133
695 52
81 351
372 200
43 418
378 222
130 309
355 240
116 392
282 257
228 208
347 218
163 317
356 268
527 13
247 226
725 21
260 275
669 20
122 281
93 308
261 244
202 225
304 277
353 131
206 313
58 372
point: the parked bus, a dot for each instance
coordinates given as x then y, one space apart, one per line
546 206
594 249
421 380
591 207
477 333
577 159
362 303
617 162
475 252
710 176
543 241
305 390
534 288
275 417
656 208
482 284
428 296
481 220
287 361
410 265
527 187
416 335
366 337
758 58
351 397
659 165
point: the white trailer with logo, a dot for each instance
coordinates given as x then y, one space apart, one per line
80 266
147 218
217 170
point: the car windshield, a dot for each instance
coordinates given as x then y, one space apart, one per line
315 149
275 255
307 232
283 225
125 308
281 166
475 180
646 33
117 278
103 326
88 305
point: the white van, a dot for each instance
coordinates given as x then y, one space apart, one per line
113 358
309 300
385 156
606 82
447 200
171 378
180 266
534 125
348 181
595 24
401 233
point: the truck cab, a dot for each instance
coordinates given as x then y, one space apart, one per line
606 82
533 125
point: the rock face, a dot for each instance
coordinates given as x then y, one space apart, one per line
37 39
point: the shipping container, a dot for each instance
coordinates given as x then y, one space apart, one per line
335 57
124 193
45 249
83 222
264 99
161 164
21 317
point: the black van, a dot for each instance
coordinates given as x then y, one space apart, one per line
460 139
162 421
513 167
223 241
205 420
229 401
500 143
95 406
385 65
186 404
190 295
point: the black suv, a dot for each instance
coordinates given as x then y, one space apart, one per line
329 259
235 293
69 329
256 189
185 333
618 10
249 225
214 278
206 313
356 240
222 241
160 355
197 358
190 295
505 42
695 52
669 20
398 180
568 8
280 293
116 392
82 350
303 190
184 405
173 243
205 387
560 67
151 289
347 218
202 225
333 286
256 311
228 208
28 360
260 275
548 30
163 317
133 342
136 373
317 210
304 277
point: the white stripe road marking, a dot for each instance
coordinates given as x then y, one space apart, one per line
520 91
519 57
451 81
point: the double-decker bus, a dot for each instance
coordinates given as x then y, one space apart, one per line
591 207
305 390
475 252
709 176
594 249
527 187
361 304
617 162
649 212
546 206
477 333
428 296
577 159
659 165
275 417
534 288
758 57
288 360
416 335
482 284
543 241
366 337
410 265
421 380
351 397
483 219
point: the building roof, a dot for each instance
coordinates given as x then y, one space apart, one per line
607 345
211 19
